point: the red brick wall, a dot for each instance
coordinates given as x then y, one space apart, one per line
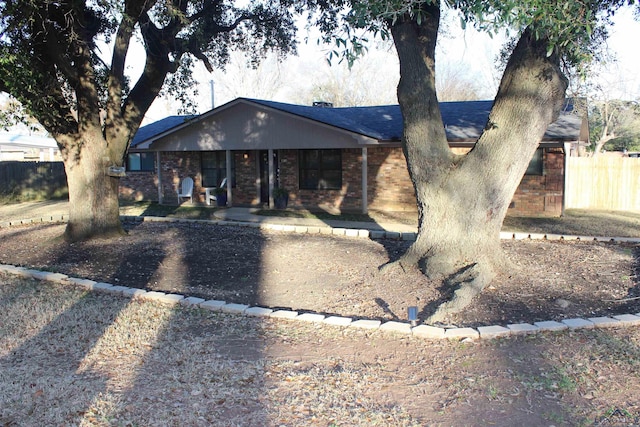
245 192
174 167
541 195
389 185
348 198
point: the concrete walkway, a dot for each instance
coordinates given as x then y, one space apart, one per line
58 208
247 215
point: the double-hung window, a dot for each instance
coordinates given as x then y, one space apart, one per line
535 165
214 168
141 162
320 169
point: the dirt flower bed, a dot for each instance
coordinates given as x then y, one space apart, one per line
333 275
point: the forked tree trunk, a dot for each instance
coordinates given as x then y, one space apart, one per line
463 199
93 195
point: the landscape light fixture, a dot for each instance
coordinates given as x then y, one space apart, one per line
413 315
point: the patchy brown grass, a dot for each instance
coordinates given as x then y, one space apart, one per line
68 357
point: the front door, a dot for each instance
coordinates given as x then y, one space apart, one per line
263 157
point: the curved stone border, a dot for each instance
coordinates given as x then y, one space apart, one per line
422 331
348 232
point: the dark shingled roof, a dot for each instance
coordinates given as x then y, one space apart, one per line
464 120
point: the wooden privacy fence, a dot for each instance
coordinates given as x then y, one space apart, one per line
32 180
603 182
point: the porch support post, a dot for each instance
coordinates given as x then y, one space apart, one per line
365 182
229 183
271 178
159 172
567 153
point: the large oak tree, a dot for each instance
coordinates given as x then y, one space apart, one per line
462 200
64 60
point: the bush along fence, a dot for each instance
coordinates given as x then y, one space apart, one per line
22 181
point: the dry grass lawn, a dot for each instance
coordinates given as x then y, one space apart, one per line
68 357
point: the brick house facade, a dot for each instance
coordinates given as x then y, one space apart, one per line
389 188
366 162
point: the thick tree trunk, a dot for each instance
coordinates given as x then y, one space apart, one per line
462 200
93 195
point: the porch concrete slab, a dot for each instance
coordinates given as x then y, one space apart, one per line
234 308
213 305
551 325
493 331
310 317
428 331
192 301
365 324
604 322
258 311
522 328
578 323
399 327
338 321
457 333
284 314
628 319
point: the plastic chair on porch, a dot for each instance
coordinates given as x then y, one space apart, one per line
186 189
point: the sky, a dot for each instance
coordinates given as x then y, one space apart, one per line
467 54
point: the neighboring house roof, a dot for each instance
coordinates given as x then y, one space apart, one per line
464 121
26 141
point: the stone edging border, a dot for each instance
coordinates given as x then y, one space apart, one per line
422 331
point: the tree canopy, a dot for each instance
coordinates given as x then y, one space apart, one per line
462 199
65 62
